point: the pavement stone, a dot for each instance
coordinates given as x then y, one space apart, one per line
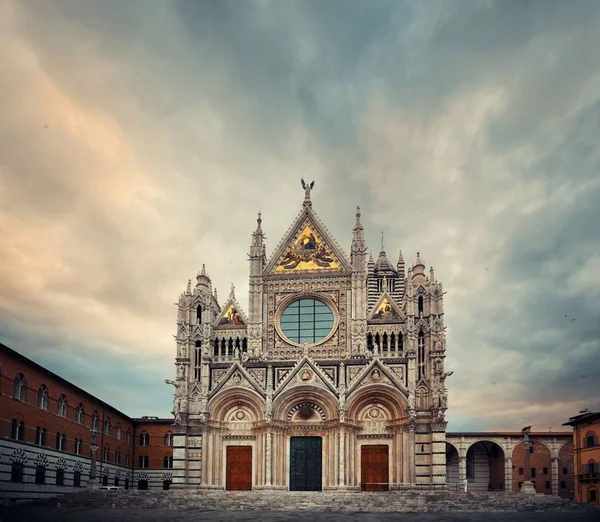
200 505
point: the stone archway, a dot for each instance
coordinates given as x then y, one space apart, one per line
452 467
485 466
564 476
539 470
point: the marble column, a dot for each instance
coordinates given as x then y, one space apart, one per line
462 470
342 457
508 474
555 477
268 451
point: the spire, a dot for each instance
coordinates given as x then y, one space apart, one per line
382 246
431 275
307 188
400 258
258 235
358 249
188 290
203 281
419 266
232 292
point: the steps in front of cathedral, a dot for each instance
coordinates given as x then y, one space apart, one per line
394 501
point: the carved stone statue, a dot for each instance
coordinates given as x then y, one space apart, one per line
307 188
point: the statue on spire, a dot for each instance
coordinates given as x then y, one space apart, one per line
307 188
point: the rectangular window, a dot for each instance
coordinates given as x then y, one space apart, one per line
520 471
547 484
545 471
40 475
60 477
592 495
77 479
565 471
531 447
532 473
105 480
563 484
16 474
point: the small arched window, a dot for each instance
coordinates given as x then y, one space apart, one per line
168 439
590 440
40 436
79 414
77 446
62 405
20 388
168 462
118 456
18 430
128 436
107 426
119 431
199 314
43 397
421 354
94 425
420 304
143 461
106 452
144 439
60 441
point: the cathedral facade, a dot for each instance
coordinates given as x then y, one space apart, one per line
333 380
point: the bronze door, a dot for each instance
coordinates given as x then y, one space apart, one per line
239 468
306 456
374 468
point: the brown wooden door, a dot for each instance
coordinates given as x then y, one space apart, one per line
239 468
374 470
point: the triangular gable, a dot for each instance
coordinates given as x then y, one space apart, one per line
386 311
237 376
232 315
369 373
307 246
307 364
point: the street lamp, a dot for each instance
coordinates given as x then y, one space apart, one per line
93 447
527 488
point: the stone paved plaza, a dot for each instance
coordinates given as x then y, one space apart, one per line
181 505
53 514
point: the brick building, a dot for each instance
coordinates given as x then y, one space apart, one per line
46 426
586 447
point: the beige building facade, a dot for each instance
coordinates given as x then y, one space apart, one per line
333 380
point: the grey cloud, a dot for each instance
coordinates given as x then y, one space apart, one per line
428 115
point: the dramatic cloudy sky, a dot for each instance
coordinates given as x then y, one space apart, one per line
139 139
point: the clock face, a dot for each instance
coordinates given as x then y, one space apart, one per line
306 321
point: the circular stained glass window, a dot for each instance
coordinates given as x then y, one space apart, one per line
306 321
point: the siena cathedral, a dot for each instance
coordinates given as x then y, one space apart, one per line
333 379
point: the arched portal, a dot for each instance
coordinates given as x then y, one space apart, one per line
485 467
